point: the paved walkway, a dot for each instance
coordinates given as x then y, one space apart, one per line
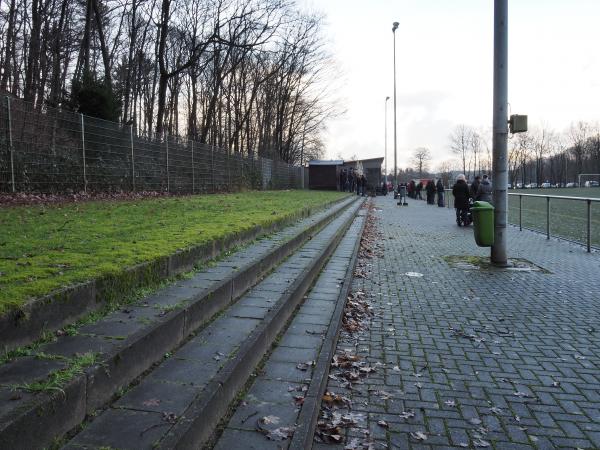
482 358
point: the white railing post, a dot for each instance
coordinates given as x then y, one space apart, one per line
10 146
83 152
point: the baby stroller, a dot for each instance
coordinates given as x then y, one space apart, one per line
464 217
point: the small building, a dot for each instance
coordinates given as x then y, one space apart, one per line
324 174
371 168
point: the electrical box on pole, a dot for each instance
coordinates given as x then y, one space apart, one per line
517 123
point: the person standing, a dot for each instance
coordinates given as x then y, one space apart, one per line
475 187
430 188
358 184
460 190
484 191
440 193
363 182
419 188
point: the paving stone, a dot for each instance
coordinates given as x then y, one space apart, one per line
247 440
504 345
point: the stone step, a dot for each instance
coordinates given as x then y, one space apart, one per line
180 402
127 342
284 398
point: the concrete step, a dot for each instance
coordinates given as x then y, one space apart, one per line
179 403
126 343
284 398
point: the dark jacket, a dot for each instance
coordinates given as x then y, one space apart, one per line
461 194
430 187
473 189
440 186
484 191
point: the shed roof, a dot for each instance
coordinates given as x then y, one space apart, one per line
326 162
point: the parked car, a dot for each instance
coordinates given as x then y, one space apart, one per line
571 184
531 186
592 184
519 185
546 185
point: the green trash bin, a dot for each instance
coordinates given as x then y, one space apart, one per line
483 223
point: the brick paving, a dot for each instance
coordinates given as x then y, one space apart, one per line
483 358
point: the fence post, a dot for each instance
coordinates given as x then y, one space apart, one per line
547 217
589 225
132 160
193 172
520 212
83 153
167 145
10 146
212 166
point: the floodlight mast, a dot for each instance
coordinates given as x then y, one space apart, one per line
394 28
385 142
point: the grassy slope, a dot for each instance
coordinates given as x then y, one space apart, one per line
45 248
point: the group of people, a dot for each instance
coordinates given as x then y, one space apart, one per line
479 190
413 190
351 181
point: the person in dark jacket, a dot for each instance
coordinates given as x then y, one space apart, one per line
363 184
358 184
440 193
474 187
484 191
430 188
418 190
460 191
411 189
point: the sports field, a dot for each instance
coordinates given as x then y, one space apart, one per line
568 218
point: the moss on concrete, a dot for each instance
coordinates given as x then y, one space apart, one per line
43 248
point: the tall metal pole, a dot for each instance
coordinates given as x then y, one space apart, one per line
500 127
385 143
394 28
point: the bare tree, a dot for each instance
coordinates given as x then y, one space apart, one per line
420 159
461 144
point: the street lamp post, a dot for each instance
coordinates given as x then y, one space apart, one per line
385 143
394 28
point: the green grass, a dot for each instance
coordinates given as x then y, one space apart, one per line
568 218
44 248
58 379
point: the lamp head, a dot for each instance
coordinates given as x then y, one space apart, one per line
387 98
395 26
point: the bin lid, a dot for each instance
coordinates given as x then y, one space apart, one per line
479 205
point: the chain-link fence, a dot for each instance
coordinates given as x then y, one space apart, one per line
57 151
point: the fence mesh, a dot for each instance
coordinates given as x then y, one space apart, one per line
55 151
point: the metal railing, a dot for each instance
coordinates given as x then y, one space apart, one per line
57 151
566 229
535 212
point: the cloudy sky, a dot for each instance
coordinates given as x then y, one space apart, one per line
444 69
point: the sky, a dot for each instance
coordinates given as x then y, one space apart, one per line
444 71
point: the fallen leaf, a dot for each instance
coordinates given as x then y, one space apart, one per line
151 402
418 435
383 423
